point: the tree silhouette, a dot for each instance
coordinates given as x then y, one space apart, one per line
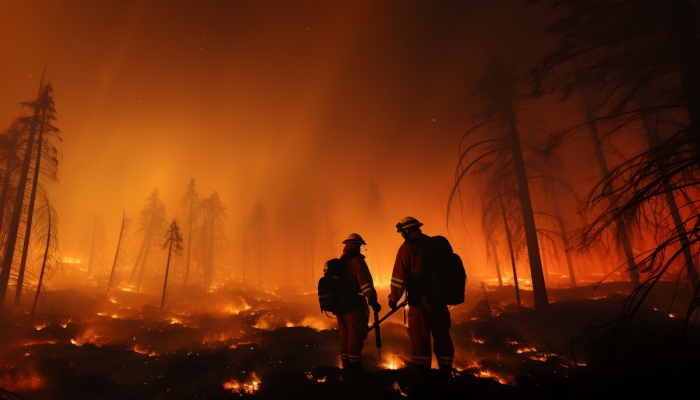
173 242
119 258
190 206
152 223
497 90
94 238
48 233
259 235
210 235
34 122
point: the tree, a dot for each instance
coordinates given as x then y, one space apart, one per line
498 91
152 223
44 151
259 234
119 258
190 205
173 241
95 239
210 235
48 233
12 234
10 145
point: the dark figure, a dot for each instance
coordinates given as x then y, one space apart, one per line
353 323
425 316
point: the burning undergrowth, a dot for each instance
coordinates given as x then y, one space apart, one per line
241 341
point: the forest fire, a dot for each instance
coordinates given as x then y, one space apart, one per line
349 199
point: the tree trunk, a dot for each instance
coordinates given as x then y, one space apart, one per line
30 212
43 266
653 139
498 265
688 42
142 250
189 241
564 238
116 254
604 171
512 254
142 268
5 188
167 269
17 210
539 288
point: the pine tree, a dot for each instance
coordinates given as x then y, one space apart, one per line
152 224
173 242
210 235
259 235
190 205
48 233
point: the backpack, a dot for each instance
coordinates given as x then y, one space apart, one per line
446 279
334 293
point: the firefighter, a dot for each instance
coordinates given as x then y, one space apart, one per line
425 317
353 324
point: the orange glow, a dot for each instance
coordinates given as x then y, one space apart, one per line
249 386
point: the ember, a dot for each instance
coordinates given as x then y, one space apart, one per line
249 386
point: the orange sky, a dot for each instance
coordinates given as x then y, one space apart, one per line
256 99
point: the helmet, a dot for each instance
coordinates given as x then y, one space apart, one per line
406 223
354 238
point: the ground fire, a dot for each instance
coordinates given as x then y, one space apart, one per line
355 199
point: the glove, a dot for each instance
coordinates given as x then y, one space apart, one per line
392 305
375 306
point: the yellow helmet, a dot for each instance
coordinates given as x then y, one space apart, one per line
406 223
354 238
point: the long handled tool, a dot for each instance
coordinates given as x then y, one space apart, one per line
376 323
378 335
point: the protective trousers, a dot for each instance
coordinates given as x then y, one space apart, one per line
353 332
426 320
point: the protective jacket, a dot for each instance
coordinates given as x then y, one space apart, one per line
352 325
425 318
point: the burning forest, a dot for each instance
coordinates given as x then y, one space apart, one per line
355 199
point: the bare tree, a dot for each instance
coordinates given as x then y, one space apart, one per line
94 238
119 258
48 232
498 92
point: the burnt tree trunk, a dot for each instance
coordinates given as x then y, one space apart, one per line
116 254
43 267
30 211
498 265
604 171
167 269
512 254
19 201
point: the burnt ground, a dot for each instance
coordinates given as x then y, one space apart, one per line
238 341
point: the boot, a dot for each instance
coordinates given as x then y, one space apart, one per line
446 378
423 385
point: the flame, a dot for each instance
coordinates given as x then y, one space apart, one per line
147 352
37 342
393 362
484 373
41 326
528 349
249 386
175 321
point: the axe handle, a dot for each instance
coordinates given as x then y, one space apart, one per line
389 314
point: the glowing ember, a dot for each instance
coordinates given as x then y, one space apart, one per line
175 321
393 362
310 377
41 326
397 388
250 386
529 349
143 351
